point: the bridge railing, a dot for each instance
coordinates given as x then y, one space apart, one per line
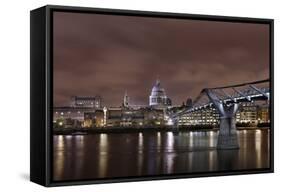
246 92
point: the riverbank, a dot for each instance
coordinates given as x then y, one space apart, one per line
81 131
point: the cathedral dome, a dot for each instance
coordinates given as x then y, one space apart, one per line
158 96
157 90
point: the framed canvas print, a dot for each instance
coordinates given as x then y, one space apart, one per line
120 95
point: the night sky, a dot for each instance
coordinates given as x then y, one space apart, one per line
107 55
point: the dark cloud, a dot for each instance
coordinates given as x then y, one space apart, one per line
107 55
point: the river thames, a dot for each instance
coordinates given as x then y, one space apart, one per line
96 156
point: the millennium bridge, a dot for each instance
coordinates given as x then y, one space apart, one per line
226 101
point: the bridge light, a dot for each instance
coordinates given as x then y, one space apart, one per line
170 122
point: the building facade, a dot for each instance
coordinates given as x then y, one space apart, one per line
87 112
94 119
158 97
208 116
86 101
124 117
263 114
64 117
74 114
248 114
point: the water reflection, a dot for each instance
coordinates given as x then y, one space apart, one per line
80 154
140 142
103 157
227 159
59 160
258 143
140 156
158 139
79 139
60 142
170 141
212 154
191 139
212 139
154 153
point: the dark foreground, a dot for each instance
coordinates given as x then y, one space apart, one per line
80 157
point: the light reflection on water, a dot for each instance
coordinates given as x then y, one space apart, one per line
140 143
140 155
59 162
103 156
170 141
158 138
258 138
153 153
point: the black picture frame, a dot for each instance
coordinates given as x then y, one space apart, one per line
41 93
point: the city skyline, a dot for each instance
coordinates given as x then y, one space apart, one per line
98 55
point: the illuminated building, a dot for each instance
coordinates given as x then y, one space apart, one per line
94 119
88 112
208 116
158 98
113 117
248 113
127 117
73 115
154 117
263 114
126 100
133 116
82 101
104 116
63 115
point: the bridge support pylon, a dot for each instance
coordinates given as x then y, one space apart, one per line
227 137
